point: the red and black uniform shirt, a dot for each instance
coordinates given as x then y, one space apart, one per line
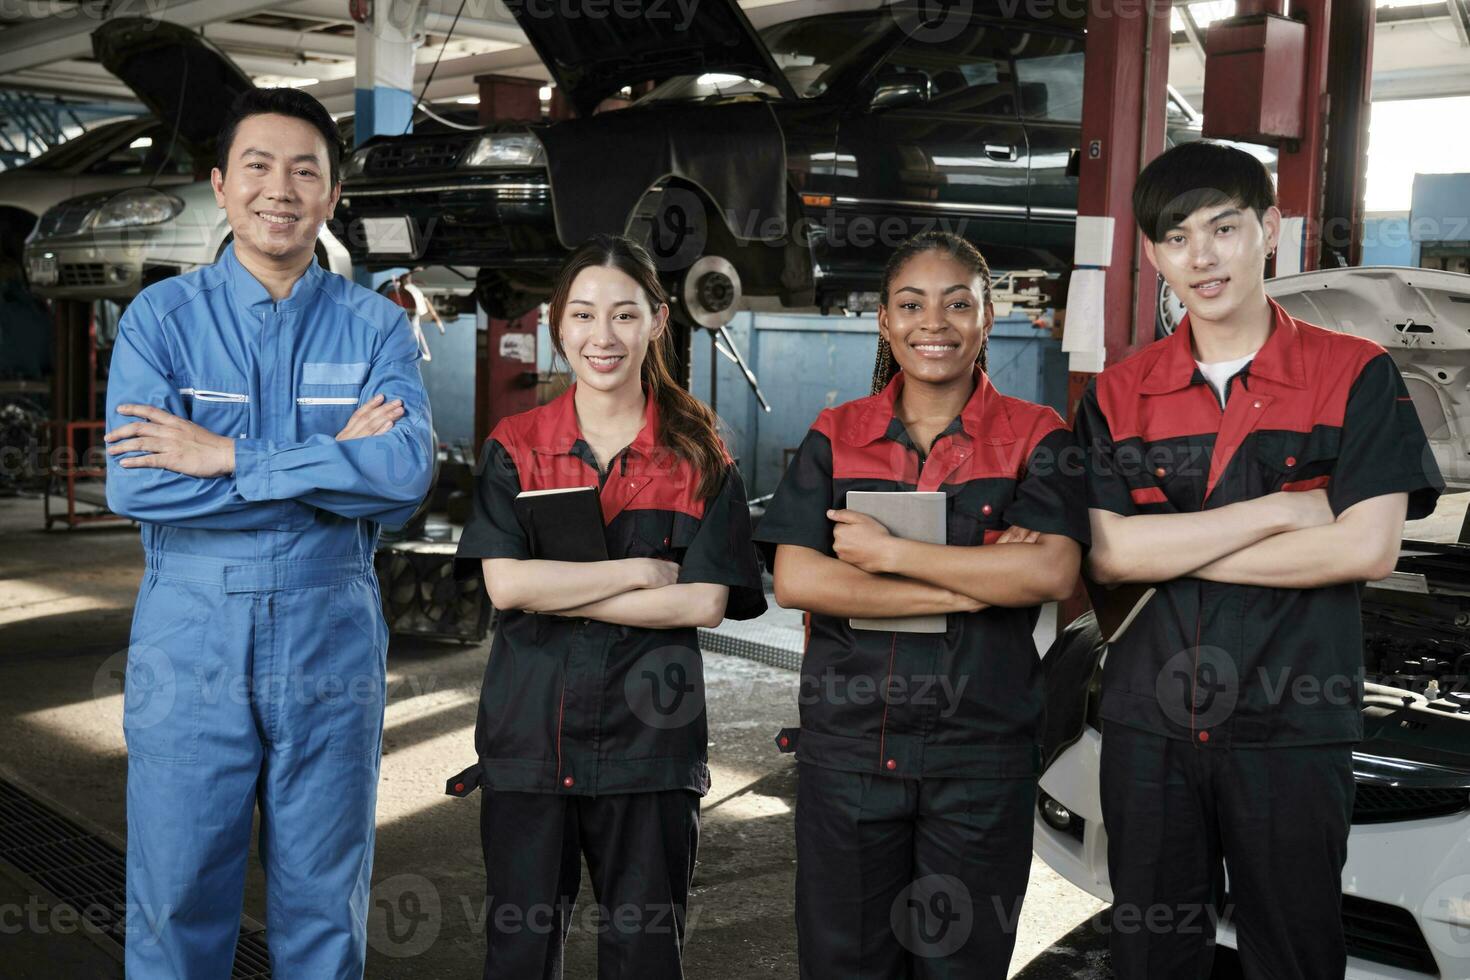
1222 664
965 702
577 705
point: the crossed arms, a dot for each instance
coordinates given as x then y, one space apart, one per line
164 469
1287 540
627 591
878 575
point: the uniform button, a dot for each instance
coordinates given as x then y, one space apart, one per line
1291 461
459 787
1160 471
568 782
891 764
1204 736
1256 405
666 542
986 509
784 741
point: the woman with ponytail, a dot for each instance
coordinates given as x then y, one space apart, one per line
591 735
918 751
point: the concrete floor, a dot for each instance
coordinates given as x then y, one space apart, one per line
65 607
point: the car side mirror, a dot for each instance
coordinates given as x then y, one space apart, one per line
900 91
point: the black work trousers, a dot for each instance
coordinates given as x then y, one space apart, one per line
1178 816
640 850
909 879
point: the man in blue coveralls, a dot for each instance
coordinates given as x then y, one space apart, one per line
266 418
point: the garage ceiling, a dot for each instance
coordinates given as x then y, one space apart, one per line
1420 50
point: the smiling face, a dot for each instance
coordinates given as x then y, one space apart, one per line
1215 259
937 317
606 327
277 191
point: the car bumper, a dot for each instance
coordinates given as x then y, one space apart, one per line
503 220
1406 884
112 265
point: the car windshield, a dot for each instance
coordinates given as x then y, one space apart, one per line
812 53
80 146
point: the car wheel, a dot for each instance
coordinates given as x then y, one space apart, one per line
1170 311
709 293
500 300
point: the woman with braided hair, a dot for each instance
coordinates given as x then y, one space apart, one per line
918 752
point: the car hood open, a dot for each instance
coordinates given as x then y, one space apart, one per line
1422 318
176 73
593 51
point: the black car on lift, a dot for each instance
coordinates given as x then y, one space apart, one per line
781 165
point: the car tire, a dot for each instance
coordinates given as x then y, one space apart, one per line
500 300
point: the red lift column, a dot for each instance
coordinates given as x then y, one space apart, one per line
1124 93
1125 89
505 352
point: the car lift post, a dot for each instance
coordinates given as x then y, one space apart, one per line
1124 94
505 350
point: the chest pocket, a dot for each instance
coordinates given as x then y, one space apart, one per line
661 534
219 404
1295 460
977 514
328 394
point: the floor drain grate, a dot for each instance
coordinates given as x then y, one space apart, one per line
80 869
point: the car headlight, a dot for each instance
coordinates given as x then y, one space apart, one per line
506 150
139 206
356 163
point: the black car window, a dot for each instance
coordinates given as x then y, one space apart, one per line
1049 76
142 155
969 74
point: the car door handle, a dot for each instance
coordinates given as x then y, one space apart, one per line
1000 151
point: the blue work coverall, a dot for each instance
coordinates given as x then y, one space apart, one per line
256 664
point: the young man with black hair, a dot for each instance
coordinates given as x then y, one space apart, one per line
267 417
1255 468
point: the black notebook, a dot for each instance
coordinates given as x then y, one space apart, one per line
563 525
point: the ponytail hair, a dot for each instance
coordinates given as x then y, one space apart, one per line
687 427
884 366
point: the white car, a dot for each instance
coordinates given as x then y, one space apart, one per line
111 245
1406 885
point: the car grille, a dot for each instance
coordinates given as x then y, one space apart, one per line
407 156
82 274
1385 934
1386 804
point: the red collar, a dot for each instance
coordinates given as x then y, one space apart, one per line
984 417
557 430
1280 359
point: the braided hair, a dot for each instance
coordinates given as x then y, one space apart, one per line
884 366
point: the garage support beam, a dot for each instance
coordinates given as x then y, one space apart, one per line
385 63
1349 91
1301 166
1125 91
67 33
